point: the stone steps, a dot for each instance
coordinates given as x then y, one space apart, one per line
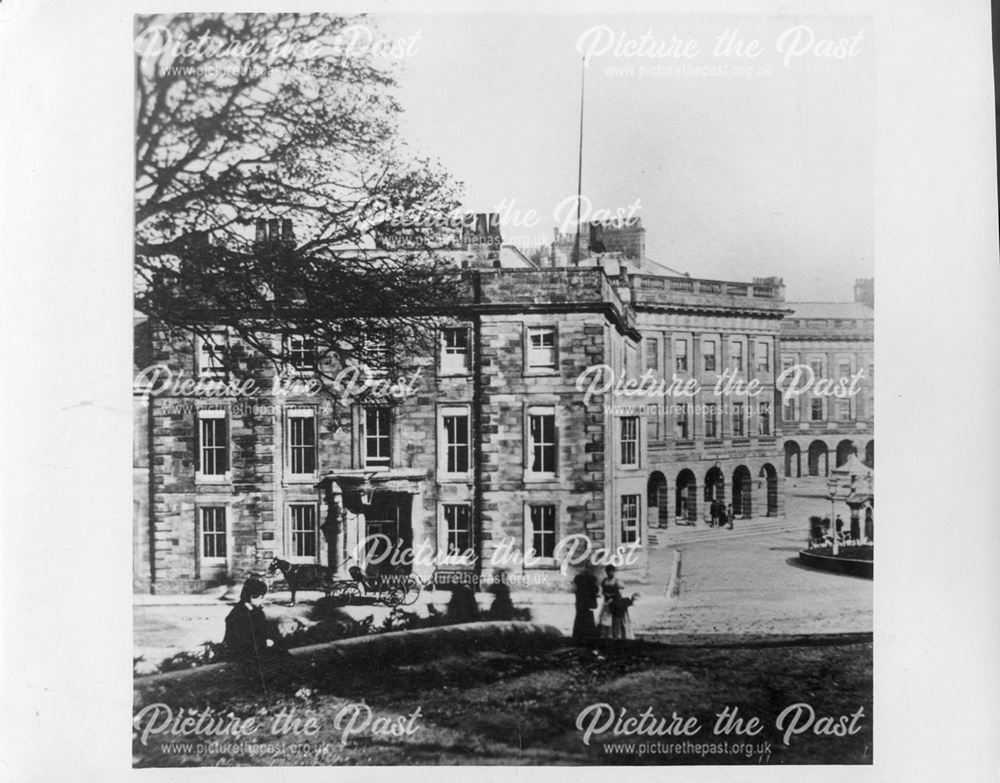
742 528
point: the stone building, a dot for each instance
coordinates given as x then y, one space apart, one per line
833 340
540 416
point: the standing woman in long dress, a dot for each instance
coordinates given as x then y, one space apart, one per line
615 622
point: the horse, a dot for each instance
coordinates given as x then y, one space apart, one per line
303 576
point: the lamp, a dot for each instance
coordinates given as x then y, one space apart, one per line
832 486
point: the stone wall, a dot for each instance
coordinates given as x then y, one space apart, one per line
594 326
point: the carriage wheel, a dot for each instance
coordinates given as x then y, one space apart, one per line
412 588
344 593
392 595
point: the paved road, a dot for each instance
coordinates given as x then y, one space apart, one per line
755 584
740 582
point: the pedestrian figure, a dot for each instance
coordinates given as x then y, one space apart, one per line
722 515
614 621
502 607
587 590
462 608
855 525
815 531
869 525
715 512
840 528
729 512
247 638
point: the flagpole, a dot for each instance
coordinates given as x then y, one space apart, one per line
579 169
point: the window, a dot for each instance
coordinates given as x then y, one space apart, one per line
711 420
455 351
211 353
543 531
736 356
764 418
708 350
377 443
871 372
542 347
681 421
301 351
631 361
790 410
458 530
787 361
455 440
542 442
302 441
652 346
739 429
377 356
842 410
844 369
630 519
816 365
303 528
816 409
213 446
681 355
630 441
763 357
213 533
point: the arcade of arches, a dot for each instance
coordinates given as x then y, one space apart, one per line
818 457
686 498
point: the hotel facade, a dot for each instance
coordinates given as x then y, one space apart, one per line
833 340
540 418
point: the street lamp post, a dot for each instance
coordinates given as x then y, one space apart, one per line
832 485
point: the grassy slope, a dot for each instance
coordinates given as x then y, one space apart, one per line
493 708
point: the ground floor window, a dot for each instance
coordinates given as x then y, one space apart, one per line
630 519
213 532
304 532
543 531
458 527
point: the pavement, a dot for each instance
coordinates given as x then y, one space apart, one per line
747 580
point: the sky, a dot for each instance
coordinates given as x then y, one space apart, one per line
764 168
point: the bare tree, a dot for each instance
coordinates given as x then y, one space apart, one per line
270 179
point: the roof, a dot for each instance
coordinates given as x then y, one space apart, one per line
854 310
853 467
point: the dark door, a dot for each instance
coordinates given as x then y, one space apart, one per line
389 516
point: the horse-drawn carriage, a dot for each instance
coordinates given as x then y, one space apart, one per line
392 588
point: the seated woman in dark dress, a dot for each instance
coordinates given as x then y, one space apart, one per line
246 628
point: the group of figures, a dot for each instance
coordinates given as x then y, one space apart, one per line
820 535
249 637
613 621
722 515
